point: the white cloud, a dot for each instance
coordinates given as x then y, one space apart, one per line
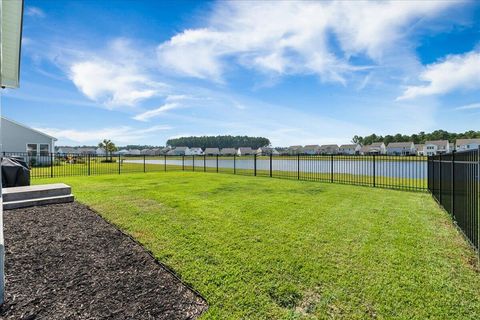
34 12
147 115
455 72
469 106
124 134
118 77
290 37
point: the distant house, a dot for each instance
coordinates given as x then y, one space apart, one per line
100 151
311 149
266 151
228 151
134 152
18 138
349 149
194 152
329 149
123 152
401 148
178 151
162 151
374 148
68 150
86 150
294 150
245 151
435 147
467 144
419 149
212 151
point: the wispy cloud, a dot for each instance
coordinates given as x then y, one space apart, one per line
115 78
34 12
147 115
124 134
469 106
455 72
293 37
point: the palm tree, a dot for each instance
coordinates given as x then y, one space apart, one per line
108 146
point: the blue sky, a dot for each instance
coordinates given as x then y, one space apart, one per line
140 72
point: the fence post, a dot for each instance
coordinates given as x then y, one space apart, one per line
453 184
298 166
88 164
478 202
374 178
217 163
165 163
193 162
183 162
144 167
204 163
119 160
440 178
331 168
234 164
271 164
254 164
51 165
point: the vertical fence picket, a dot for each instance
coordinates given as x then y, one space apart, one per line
217 163
51 165
255 164
271 164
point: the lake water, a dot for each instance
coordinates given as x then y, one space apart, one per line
416 169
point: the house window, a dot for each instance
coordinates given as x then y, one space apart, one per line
32 149
44 149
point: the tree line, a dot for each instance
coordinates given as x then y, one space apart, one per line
416 138
219 142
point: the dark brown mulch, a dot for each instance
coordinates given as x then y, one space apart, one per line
65 262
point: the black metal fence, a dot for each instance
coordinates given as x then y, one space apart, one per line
453 180
396 172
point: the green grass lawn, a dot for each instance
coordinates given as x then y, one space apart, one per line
261 248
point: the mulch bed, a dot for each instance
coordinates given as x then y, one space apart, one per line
65 262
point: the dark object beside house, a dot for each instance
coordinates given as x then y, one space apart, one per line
15 172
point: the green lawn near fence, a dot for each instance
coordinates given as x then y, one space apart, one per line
261 248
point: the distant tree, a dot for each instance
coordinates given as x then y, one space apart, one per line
109 148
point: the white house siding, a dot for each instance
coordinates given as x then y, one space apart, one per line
18 138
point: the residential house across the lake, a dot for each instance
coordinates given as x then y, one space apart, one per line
311 149
266 151
435 147
194 152
467 144
294 150
245 151
211 151
350 149
228 151
329 149
419 149
178 151
401 148
374 148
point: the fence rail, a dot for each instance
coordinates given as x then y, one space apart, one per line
396 172
454 181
